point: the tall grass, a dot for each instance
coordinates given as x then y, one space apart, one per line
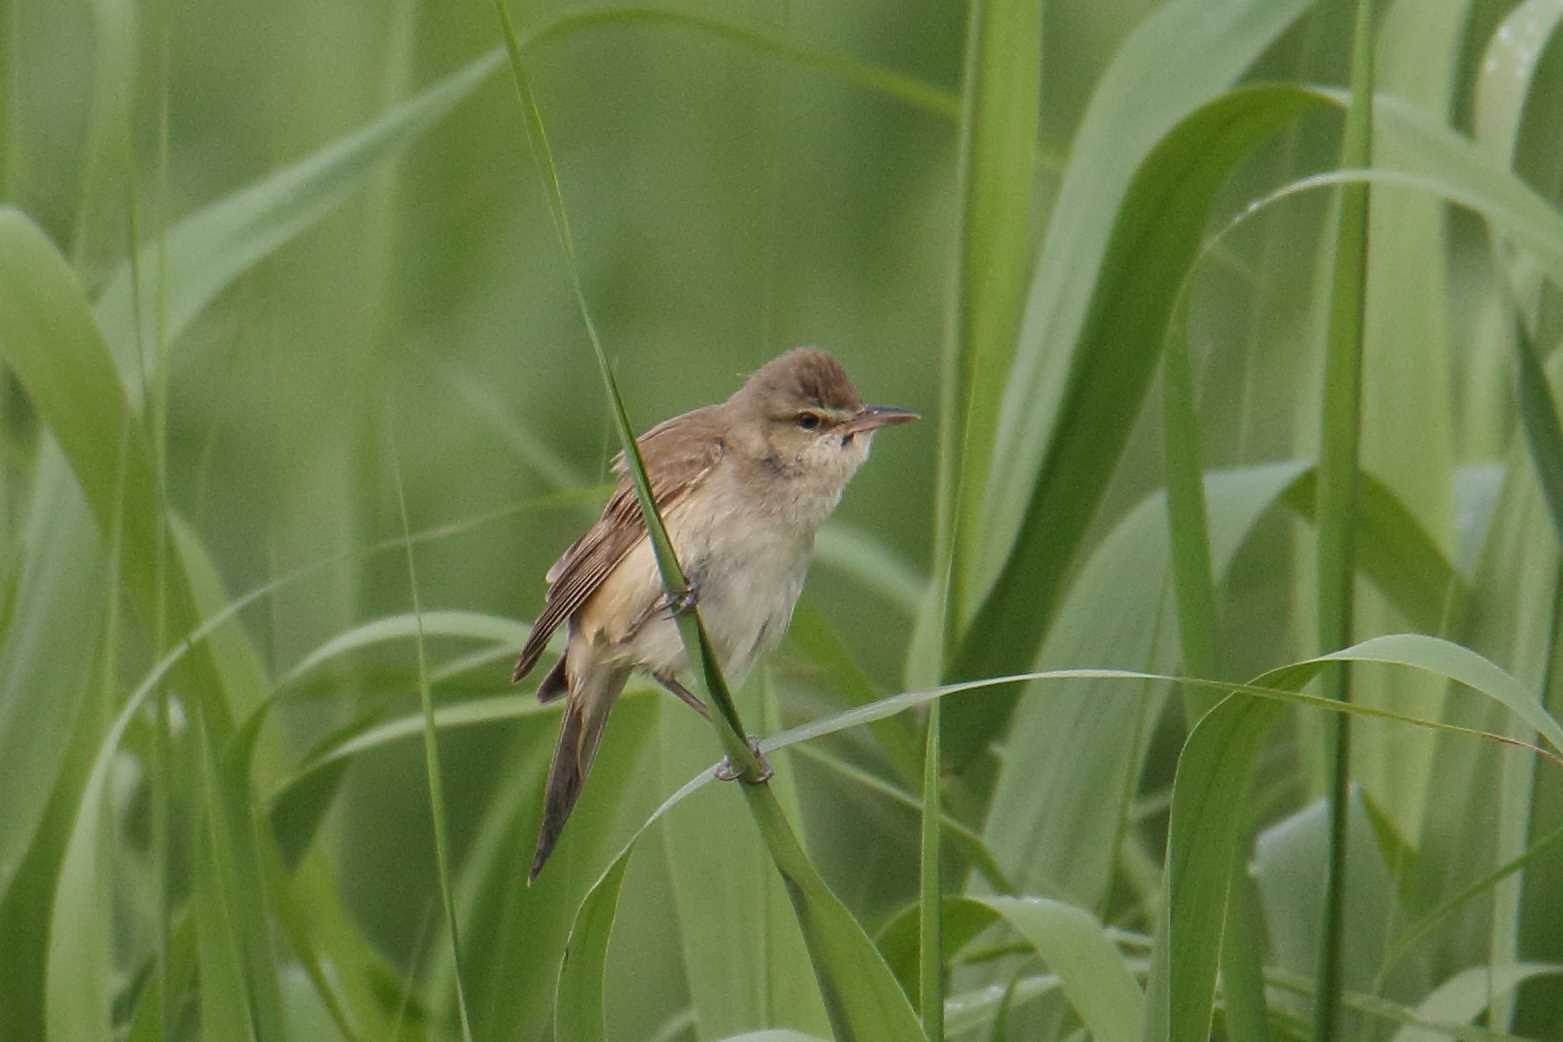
299 407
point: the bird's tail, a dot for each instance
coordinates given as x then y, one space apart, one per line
585 713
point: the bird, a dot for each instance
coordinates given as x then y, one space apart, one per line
742 487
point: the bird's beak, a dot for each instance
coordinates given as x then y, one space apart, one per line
873 417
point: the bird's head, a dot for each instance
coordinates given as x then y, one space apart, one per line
803 417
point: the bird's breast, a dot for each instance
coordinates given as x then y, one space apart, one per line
750 573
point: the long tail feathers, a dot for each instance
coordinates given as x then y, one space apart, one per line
585 714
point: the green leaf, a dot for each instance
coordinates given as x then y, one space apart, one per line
208 250
1458 1000
1215 764
433 774
578 1009
994 172
1395 551
1217 761
870 1006
727 897
48 338
1539 419
1074 752
1156 235
1087 258
466 625
930 933
1289 860
859 992
1073 945
899 942
45 679
233 914
1339 463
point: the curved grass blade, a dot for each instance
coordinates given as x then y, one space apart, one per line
1198 48
48 338
1094 977
206 251
466 625
45 678
1218 759
1157 234
1458 1000
578 1008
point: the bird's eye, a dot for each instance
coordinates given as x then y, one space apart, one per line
808 420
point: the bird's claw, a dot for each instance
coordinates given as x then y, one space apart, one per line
681 601
725 771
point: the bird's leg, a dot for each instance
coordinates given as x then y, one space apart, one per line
680 601
686 696
725 771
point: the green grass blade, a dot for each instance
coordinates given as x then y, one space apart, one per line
578 1010
729 728
1199 624
48 338
842 681
859 992
466 625
1461 998
994 173
229 1006
44 678
1198 48
745 963
1395 551
1340 439
1216 761
1157 234
1539 420
931 891
204 253
235 898
1094 977
431 762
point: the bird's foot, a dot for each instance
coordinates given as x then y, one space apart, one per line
725 771
680 601
684 695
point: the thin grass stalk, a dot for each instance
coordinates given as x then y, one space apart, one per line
708 672
431 758
816 907
1001 82
1340 439
1193 574
1539 419
930 898
1199 630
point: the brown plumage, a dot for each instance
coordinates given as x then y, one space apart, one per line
742 487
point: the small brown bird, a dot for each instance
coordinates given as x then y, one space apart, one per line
742 487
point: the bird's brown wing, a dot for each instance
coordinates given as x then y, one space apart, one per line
674 465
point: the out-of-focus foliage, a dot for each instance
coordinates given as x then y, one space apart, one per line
266 268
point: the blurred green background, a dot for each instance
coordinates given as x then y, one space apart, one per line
389 315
